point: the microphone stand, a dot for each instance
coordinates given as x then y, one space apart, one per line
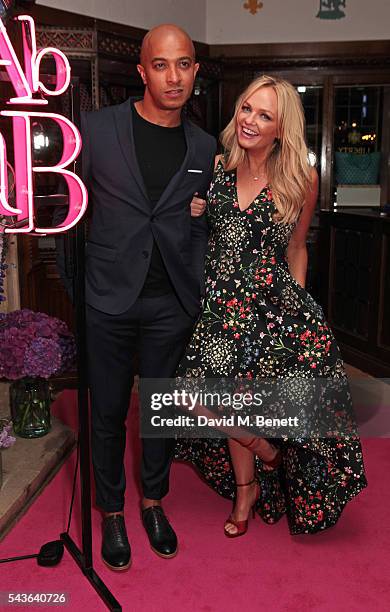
83 556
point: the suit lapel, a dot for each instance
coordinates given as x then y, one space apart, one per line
181 173
124 130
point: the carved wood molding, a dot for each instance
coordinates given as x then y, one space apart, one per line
268 64
268 56
68 40
210 69
118 46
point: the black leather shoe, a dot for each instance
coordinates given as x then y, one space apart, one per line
116 551
161 536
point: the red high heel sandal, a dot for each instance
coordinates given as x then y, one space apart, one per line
242 526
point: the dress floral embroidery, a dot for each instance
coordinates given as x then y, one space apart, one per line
258 322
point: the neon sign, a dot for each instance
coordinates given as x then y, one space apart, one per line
26 83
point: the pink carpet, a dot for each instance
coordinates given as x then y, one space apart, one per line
345 568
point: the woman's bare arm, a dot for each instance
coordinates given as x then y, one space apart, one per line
296 250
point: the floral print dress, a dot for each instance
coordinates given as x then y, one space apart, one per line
257 321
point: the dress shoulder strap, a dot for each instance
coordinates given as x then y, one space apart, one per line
219 167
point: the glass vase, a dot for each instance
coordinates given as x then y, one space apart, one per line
30 407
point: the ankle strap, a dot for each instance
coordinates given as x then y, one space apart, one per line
240 441
246 484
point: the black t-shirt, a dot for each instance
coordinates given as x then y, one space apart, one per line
160 153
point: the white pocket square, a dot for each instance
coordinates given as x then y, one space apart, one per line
195 171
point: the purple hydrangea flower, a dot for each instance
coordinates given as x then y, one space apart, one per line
33 344
6 440
42 357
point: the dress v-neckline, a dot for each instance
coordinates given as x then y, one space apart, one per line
266 187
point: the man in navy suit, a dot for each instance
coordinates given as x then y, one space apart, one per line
142 161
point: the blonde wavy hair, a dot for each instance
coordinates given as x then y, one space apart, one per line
288 168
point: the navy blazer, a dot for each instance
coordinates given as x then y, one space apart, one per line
124 224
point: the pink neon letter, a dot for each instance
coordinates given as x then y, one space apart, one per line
5 209
23 171
10 61
32 61
23 175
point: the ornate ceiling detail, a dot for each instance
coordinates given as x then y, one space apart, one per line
330 62
67 39
118 46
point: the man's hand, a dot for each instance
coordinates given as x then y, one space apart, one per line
198 206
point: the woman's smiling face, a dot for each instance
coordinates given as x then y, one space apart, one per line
257 120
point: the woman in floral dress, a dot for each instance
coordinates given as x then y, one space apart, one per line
258 320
